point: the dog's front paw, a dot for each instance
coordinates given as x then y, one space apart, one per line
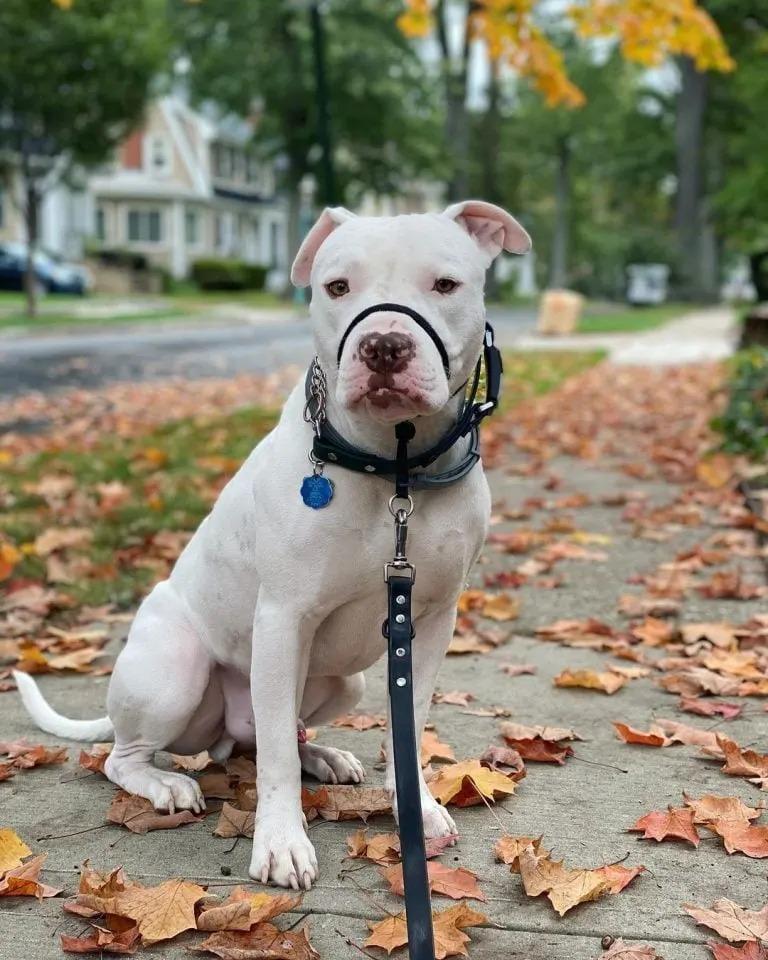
283 855
437 821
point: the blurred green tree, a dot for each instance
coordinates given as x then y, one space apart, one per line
73 83
594 182
257 57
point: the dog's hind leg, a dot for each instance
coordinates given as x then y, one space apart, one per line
163 695
326 698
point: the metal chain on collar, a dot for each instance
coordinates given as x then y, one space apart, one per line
314 408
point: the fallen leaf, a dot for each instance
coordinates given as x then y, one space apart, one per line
618 877
710 708
712 808
195 763
507 849
619 950
24 881
465 784
541 751
95 760
448 926
242 909
360 721
504 759
688 735
457 698
518 669
433 749
342 802
12 849
454 882
234 823
139 816
651 738
752 950
744 763
501 607
743 838
564 888
264 942
675 822
518 731
733 922
161 912
102 940
591 680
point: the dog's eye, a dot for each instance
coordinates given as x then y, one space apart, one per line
337 288
445 285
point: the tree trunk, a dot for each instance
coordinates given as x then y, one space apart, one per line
31 215
456 118
558 269
489 158
695 281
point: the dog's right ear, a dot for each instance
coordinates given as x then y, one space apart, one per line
325 224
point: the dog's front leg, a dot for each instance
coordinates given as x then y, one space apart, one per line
433 635
282 639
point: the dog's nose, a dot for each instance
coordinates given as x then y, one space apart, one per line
386 352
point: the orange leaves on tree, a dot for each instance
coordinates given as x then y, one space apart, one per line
651 30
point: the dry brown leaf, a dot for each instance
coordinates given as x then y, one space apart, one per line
688 735
651 738
264 942
343 802
712 808
234 823
433 749
162 912
518 669
139 816
564 888
711 708
733 922
752 950
453 882
12 849
675 822
24 881
95 760
448 926
501 607
507 849
195 763
519 731
506 760
606 682
744 763
120 936
465 784
361 721
619 950
456 698
242 909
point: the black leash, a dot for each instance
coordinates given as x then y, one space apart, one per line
399 632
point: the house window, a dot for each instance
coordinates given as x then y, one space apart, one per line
145 226
159 155
100 225
191 228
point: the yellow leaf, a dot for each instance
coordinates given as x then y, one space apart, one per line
161 912
12 849
606 681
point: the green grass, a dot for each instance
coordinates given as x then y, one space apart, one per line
628 319
58 319
170 477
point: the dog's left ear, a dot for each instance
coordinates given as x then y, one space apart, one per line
492 228
324 226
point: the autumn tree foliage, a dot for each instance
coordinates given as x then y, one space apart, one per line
648 32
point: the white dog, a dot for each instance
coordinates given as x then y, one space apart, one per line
274 610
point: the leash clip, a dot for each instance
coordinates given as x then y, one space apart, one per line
399 565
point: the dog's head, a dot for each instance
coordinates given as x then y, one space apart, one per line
394 364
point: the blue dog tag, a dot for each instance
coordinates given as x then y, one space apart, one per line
317 491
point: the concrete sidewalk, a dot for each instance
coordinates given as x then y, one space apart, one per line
701 335
583 809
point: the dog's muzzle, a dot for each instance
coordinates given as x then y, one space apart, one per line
414 315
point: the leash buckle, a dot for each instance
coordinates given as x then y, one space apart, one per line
399 568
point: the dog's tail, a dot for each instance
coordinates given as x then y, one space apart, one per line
47 719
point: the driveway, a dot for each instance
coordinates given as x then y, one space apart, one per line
192 351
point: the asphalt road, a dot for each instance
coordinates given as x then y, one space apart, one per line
89 359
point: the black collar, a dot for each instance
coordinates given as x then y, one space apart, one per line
330 447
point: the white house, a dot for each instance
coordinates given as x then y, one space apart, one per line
185 186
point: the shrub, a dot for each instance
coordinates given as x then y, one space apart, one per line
744 422
218 273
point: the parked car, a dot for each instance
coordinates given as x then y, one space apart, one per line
53 275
